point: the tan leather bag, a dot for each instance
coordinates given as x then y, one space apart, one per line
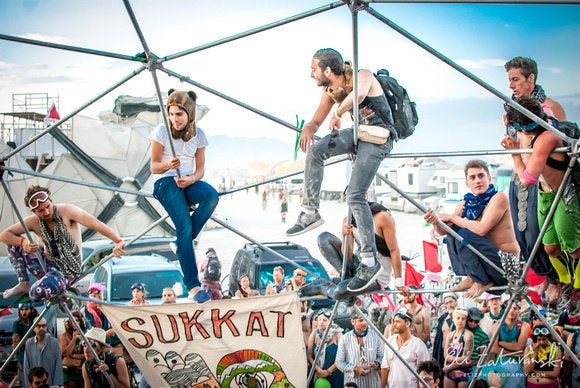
373 134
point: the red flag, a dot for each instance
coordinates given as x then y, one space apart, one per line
431 257
52 115
413 277
5 311
534 279
384 301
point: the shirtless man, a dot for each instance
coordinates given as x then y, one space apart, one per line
546 169
59 227
522 77
484 220
421 316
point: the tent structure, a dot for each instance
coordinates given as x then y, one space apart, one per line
124 162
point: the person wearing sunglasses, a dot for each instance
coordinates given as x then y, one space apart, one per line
522 77
484 220
334 75
44 350
480 338
430 371
94 370
138 292
546 169
59 228
543 360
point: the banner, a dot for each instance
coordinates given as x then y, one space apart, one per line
226 343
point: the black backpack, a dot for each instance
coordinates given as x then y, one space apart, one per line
213 270
571 129
404 113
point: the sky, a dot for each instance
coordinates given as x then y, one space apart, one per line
270 71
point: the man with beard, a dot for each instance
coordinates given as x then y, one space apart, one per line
44 350
421 317
394 373
522 76
360 352
26 315
330 71
59 227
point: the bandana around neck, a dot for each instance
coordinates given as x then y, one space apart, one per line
363 334
538 93
474 204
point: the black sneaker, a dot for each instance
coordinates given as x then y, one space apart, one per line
364 277
305 223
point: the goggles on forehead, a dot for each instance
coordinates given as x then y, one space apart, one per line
518 127
37 198
403 313
24 306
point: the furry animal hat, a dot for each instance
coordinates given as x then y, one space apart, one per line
186 101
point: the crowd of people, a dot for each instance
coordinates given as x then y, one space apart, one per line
487 231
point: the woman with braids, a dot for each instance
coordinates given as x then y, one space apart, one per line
178 165
72 351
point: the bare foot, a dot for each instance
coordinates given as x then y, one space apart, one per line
553 293
20 288
476 290
464 285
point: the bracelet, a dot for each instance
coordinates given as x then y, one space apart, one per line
399 282
337 115
119 241
21 242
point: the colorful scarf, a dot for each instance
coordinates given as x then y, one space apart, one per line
95 311
474 204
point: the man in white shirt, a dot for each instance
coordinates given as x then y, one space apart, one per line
394 373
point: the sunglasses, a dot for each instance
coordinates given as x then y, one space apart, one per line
331 141
472 320
541 331
94 344
138 286
37 198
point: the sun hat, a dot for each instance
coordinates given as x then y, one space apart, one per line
97 334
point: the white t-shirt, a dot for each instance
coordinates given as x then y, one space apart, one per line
184 150
414 351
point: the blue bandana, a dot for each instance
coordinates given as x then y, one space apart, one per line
474 204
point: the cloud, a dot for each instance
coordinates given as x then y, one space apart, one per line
481 64
49 38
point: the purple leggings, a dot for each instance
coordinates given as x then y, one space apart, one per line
49 283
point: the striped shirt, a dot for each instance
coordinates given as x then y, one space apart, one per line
349 355
480 338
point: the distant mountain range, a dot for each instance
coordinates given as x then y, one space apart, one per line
226 152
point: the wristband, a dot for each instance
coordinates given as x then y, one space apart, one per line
337 115
21 242
529 179
399 282
118 241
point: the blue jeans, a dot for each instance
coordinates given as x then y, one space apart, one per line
368 159
187 226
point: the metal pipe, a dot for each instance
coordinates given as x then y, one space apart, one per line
255 30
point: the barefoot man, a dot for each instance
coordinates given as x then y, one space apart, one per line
483 219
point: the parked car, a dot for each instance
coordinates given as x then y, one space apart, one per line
156 272
259 264
95 250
